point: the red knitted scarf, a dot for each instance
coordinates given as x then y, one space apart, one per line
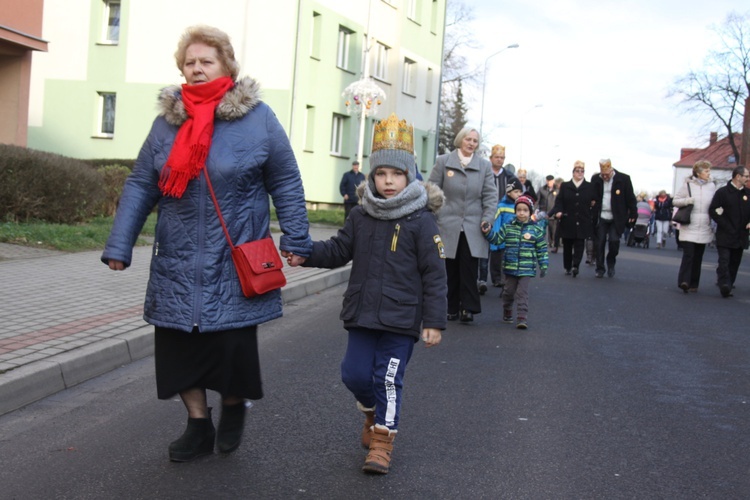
193 141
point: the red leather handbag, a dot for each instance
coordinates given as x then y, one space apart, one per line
258 262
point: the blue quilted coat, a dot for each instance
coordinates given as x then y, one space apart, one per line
193 283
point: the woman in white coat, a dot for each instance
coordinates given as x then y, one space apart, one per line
697 190
470 201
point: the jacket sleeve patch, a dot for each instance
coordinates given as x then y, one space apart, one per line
440 246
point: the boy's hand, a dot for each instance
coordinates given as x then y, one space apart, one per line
542 273
295 260
485 226
431 336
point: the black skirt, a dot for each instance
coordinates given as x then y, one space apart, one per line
226 362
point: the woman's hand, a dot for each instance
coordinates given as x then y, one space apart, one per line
116 265
485 226
431 336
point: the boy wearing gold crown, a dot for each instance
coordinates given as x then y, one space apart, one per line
397 287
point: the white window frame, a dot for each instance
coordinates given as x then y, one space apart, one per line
309 140
342 52
430 84
380 62
410 77
106 127
110 32
412 9
338 124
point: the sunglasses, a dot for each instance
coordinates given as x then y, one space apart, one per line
578 170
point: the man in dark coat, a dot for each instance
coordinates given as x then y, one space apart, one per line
730 209
348 187
614 210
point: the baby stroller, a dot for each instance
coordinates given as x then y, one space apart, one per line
639 236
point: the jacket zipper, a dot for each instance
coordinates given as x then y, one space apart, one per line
394 241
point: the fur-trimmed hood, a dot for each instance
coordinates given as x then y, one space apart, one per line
435 196
236 103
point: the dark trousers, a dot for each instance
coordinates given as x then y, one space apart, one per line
462 280
373 370
348 208
690 267
483 268
572 252
606 236
729 264
496 267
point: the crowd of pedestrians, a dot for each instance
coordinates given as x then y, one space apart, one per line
422 252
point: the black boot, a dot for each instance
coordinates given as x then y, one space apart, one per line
196 441
231 425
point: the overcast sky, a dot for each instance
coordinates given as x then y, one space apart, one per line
601 71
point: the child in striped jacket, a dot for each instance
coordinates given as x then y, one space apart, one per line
525 249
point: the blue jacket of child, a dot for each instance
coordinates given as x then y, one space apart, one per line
506 212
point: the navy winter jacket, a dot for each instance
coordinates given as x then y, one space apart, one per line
398 282
193 282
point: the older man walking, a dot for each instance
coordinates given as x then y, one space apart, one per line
615 209
730 209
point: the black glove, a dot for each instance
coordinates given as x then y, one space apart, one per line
543 273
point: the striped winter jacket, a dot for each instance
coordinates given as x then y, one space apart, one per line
525 247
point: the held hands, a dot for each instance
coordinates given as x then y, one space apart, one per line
485 226
431 336
293 260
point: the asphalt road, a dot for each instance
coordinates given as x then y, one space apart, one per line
621 388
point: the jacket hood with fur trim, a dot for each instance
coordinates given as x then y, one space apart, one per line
236 103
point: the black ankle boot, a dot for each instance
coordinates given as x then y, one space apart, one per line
196 441
231 425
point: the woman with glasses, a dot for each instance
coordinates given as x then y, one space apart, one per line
573 209
697 190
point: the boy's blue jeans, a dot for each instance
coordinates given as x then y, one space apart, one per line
373 370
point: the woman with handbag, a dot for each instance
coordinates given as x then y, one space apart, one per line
213 136
697 191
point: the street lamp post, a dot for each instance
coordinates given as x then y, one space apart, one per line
484 82
520 158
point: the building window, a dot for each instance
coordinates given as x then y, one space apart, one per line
342 56
380 62
337 134
430 84
107 104
412 9
410 77
315 34
309 140
434 17
111 32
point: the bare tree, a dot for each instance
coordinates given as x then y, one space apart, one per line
719 90
459 38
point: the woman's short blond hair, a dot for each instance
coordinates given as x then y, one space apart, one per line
213 37
463 133
701 166
521 171
579 163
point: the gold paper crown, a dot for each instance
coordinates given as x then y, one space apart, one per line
393 134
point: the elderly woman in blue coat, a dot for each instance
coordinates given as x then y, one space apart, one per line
470 201
205 329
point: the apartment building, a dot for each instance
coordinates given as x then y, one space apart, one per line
93 93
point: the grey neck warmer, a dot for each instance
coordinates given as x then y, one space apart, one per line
411 199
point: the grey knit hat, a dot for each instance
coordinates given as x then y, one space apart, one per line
395 158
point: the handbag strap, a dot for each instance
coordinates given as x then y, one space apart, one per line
689 193
218 211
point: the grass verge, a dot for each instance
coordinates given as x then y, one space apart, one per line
93 235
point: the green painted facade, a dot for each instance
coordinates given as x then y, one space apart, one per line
71 111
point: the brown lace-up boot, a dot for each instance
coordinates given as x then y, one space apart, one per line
378 460
369 422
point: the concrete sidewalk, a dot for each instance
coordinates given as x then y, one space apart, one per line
66 318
